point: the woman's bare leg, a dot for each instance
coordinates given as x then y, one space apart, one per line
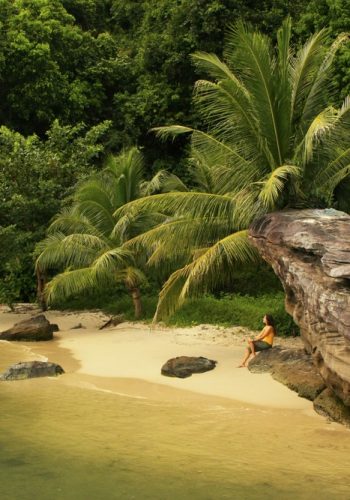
252 347
246 357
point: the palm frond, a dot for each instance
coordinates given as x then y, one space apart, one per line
171 131
214 267
180 236
251 53
218 70
322 124
337 178
162 182
190 203
336 165
131 276
315 100
58 250
74 282
98 191
98 215
135 222
70 221
303 69
170 296
112 260
274 185
248 206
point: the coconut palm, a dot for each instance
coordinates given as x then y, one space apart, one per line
85 240
271 142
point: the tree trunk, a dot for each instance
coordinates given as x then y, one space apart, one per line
41 282
136 298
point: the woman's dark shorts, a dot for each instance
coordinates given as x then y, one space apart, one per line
260 345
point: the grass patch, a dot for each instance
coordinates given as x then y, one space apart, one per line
228 310
236 310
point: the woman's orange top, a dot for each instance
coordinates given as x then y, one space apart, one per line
269 338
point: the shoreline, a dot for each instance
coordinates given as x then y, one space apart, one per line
136 351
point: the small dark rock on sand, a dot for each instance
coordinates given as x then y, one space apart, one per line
31 369
78 326
184 366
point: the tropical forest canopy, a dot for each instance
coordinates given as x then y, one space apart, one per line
82 80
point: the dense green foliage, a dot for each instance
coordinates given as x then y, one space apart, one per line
128 62
37 178
82 78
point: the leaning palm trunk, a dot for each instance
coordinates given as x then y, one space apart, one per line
40 290
136 299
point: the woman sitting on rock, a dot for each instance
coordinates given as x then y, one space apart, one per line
263 341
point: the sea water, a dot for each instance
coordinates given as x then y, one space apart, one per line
85 438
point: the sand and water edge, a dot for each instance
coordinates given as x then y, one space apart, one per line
113 427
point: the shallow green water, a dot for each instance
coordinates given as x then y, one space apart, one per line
61 441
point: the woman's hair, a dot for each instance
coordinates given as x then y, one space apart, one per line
270 321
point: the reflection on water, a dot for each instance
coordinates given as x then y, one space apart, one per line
65 439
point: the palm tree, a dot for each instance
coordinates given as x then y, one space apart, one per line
85 240
271 142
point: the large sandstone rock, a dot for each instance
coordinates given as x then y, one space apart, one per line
31 369
184 366
33 329
293 368
309 251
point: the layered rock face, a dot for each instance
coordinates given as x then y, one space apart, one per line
309 251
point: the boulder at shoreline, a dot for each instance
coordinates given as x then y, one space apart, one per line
31 369
295 369
184 366
36 328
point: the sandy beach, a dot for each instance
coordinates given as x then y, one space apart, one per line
113 427
133 352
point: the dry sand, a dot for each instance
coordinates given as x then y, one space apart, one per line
136 351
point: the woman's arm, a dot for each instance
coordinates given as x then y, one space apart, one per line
264 333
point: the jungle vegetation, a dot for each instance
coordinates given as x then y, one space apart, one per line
86 81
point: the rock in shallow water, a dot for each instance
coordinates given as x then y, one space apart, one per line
309 251
184 366
35 328
329 405
31 369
